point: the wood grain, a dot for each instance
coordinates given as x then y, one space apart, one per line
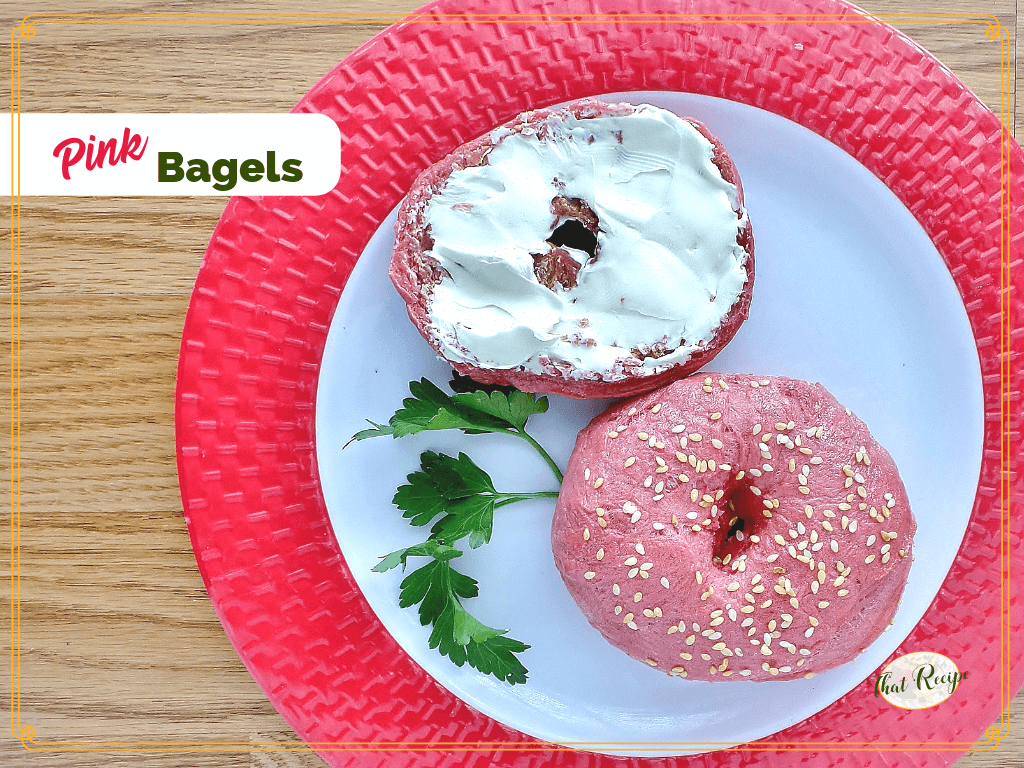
119 641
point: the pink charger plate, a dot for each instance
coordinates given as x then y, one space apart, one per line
276 267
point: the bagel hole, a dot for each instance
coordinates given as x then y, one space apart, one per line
573 233
741 518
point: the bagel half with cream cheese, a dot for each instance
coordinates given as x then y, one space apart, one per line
593 250
734 527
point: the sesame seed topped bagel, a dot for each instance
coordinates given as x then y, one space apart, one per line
594 250
734 527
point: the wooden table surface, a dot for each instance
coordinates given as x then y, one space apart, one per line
119 641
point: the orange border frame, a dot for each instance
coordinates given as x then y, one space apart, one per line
26 733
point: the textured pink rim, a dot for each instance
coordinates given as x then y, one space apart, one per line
275 269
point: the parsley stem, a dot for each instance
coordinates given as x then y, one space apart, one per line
544 454
512 498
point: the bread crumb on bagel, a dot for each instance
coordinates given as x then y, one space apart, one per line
734 527
590 250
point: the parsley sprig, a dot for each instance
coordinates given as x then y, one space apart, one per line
457 499
501 410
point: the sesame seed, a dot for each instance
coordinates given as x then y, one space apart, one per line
642 436
613 434
664 582
869 559
656 408
715 416
659 487
630 461
589 575
600 554
598 483
632 625
755 490
678 428
629 561
632 573
853 526
658 526
646 566
695 437
586 534
618 609
638 596
640 548
615 589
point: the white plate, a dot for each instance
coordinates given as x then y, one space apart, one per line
849 291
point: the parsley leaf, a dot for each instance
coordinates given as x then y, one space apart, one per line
457 491
460 383
455 487
494 409
455 632
513 409
473 517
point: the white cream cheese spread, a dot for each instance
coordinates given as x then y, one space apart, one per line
667 266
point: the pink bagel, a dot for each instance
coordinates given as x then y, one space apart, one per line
734 527
415 272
